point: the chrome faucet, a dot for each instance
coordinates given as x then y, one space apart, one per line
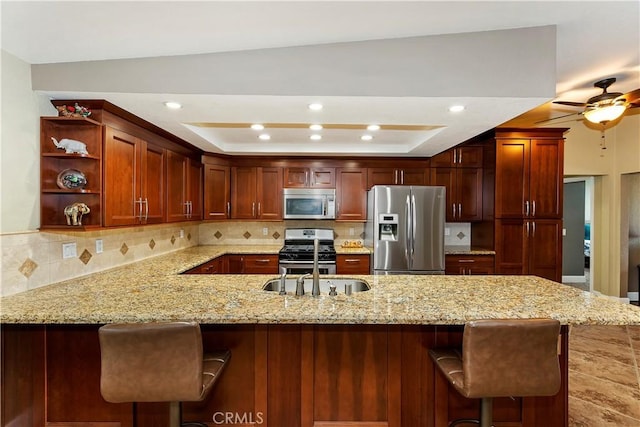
283 282
315 291
315 274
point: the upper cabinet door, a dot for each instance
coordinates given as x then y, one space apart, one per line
217 192
269 193
466 156
194 190
546 182
512 178
296 177
351 194
243 192
152 160
122 180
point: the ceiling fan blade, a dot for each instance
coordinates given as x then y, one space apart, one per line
632 97
572 104
559 117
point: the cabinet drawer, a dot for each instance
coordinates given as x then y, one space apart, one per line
261 264
469 264
352 264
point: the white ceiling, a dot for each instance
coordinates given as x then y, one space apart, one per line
391 63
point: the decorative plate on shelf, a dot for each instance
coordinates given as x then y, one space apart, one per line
71 179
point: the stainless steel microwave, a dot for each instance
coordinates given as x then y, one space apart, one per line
309 203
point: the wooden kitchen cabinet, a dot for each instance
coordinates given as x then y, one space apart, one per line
463 192
53 161
217 192
252 264
529 247
184 188
529 177
353 264
215 266
397 176
469 156
256 193
316 177
469 264
351 194
133 180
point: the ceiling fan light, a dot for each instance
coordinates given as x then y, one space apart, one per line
605 114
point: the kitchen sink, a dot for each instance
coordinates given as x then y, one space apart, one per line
357 285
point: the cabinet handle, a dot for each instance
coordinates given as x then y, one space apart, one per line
228 209
526 208
402 177
352 260
262 261
459 210
527 228
455 156
306 178
533 208
140 209
395 176
453 206
466 260
253 209
259 209
533 228
146 209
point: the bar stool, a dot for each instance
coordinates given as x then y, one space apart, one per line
157 362
502 358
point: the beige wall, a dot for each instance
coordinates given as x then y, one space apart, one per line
584 157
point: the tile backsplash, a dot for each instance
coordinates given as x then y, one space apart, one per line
270 233
458 235
34 259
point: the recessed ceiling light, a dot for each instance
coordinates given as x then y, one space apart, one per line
316 137
456 108
173 105
257 126
366 137
315 127
373 127
264 136
316 106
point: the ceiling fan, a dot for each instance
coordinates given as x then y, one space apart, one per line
605 107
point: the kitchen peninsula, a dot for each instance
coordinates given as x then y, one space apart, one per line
358 360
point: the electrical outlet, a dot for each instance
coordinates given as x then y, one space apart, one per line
352 231
181 233
69 250
265 231
99 247
447 231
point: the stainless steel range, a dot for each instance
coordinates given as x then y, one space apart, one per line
296 256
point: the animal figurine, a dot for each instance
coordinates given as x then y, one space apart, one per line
71 146
74 213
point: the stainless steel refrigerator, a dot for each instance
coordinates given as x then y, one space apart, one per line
405 229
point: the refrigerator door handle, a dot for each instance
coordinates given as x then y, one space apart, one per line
409 230
414 221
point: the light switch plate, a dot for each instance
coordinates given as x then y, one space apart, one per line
69 250
265 231
99 247
181 233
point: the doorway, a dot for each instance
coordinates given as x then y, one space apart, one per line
576 243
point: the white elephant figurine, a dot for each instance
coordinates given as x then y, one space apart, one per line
71 145
74 213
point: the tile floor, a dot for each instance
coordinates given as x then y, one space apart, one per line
604 376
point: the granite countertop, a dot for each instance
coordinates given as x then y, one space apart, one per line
153 290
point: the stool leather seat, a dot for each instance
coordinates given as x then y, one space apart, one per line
156 362
502 358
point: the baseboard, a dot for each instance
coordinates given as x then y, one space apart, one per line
633 296
574 279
